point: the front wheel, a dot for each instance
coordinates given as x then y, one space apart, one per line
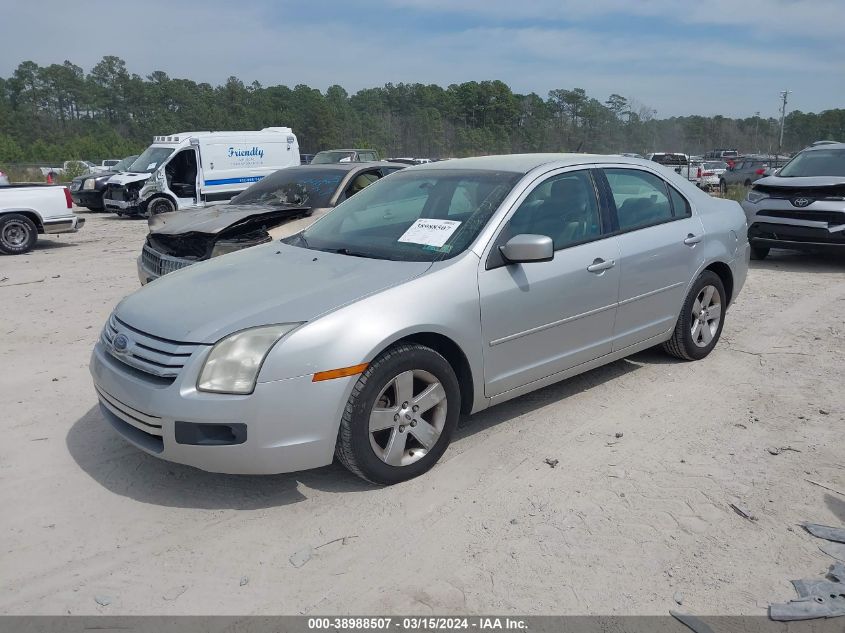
700 324
157 206
18 234
400 416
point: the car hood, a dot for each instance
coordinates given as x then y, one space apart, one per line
215 220
272 283
99 177
126 177
801 182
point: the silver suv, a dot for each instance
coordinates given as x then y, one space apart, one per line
802 206
745 171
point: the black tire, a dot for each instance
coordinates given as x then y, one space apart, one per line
18 234
157 206
747 184
723 188
759 252
95 209
682 345
354 448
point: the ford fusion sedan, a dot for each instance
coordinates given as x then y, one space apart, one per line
802 206
182 238
438 291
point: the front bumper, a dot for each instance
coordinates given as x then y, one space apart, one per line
776 223
288 425
66 224
121 207
91 198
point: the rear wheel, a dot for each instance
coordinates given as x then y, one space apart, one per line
18 234
747 183
759 252
700 324
400 416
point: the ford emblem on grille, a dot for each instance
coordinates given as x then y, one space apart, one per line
120 343
802 202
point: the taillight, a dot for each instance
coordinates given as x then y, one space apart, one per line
760 172
68 199
708 173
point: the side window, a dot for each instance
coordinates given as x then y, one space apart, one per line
360 181
564 207
680 206
641 198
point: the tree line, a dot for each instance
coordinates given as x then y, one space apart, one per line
60 112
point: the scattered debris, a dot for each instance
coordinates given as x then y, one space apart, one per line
825 532
816 483
175 592
742 511
514 521
678 597
103 601
693 623
244 580
23 283
824 411
298 559
618 435
39 439
551 462
55 380
816 599
56 276
343 541
774 450
834 550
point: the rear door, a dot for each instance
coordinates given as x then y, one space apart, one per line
660 249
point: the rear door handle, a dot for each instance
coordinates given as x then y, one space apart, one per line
692 240
599 265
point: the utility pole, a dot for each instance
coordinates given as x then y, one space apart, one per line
783 95
756 125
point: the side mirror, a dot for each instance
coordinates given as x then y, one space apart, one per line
526 248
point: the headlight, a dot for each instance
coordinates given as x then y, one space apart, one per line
234 362
89 184
755 196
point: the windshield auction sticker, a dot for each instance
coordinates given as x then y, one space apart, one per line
430 232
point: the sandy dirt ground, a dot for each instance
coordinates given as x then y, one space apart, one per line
622 525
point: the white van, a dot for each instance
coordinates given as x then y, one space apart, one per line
195 169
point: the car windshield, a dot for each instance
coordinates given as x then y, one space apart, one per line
817 162
151 159
419 215
124 164
326 158
294 186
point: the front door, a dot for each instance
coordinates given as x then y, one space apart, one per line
541 318
661 248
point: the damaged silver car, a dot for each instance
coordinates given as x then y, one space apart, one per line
179 239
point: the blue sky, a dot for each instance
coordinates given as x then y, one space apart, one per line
708 57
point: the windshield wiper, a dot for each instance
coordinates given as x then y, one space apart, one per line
346 251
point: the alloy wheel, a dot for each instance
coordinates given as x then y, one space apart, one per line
706 315
408 417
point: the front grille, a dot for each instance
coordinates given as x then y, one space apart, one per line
831 217
160 264
115 192
147 353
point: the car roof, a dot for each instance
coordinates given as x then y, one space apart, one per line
523 163
349 166
824 146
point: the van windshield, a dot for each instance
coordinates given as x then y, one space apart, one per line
294 186
151 159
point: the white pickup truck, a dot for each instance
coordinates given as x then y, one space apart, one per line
27 210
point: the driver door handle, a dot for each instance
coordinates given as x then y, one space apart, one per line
599 265
692 240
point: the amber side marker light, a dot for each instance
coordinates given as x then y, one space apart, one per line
343 372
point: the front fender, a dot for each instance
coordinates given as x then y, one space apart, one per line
442 301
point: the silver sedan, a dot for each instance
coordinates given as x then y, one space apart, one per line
439 290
